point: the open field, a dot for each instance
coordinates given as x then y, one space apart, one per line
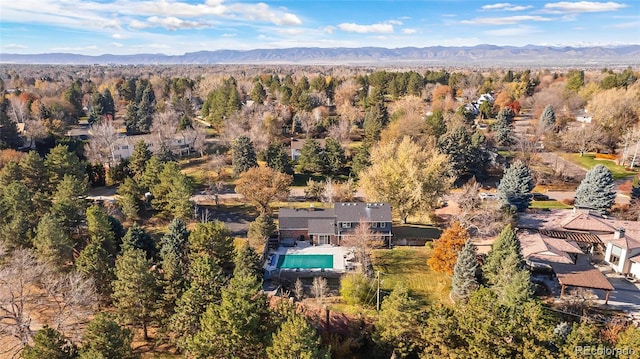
408 265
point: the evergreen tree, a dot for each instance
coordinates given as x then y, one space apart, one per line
247 261
34 172
145 111
139 158
360 161
376 116
212 239
16 216
9 137
312 157
52 242
172 193
457 144
135 293
258 94
597 190
205 281
69 201
502 128
151 176
129 198
137 238
512 284
96 263
582 335
464 273
175 262
236 327
435 124
50 344
334 156
505 245
243 155
100 229
548 117
11 172
278 159
446 248
397 322
296 339
105 339
515 186
61 162
356 288
262 227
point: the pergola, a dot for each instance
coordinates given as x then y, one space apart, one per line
572 275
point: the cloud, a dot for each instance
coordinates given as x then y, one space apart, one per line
262 12
509 20
229 35
14 47
395 22
505 6
512 31
626 25
329 29
380 28
119 36
582 6
173 23
116 44
409 31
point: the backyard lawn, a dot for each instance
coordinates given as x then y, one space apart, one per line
588 161
408 265
549 204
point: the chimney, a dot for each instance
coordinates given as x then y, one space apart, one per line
619 233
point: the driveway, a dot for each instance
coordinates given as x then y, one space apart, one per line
625 297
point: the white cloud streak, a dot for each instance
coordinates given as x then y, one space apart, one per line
508 20
379 28
582 6
505 6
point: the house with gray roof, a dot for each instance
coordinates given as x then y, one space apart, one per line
333 225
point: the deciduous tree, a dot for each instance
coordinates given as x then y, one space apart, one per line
446 248
407 176
263 185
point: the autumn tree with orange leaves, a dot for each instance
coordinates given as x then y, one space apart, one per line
446 248
262 185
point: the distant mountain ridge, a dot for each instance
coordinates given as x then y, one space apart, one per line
480 55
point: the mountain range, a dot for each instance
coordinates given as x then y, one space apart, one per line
480 55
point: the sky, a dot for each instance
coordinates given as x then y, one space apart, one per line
174 27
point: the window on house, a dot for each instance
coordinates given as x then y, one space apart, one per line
616 253
614 259
125 147
383 225
346 224
374 224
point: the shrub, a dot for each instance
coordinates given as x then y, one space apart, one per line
568 201
356 288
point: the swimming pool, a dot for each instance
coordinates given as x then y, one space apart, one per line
305 261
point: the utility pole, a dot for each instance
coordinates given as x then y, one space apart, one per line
378 294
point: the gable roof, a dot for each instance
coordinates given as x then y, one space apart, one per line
298 218
540 248
588 222
354 211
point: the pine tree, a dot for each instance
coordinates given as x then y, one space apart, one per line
60 162
16 216
515 186
278 159
502 127
34 172
50 344
9 137
243 155
137 238
135 292
247 261
258 94
175 262
296 339
205 281
446 248
172 193
397 322
69 201
312 159
360 161
334 156
100 229
139 158
95 262
262 227
548 117
52 242
236 327
376 117
597 190
213 239
11 172
506 244
129 198
512 284
464 273
104 338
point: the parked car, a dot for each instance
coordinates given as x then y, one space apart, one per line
487 196
540 197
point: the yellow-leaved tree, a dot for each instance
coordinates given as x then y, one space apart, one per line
406 175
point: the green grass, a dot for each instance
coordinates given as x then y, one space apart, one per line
408 266
549 205
589 161
507 154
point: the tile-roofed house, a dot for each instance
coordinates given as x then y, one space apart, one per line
332 225
620 239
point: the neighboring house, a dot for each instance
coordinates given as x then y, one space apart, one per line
123 147
583 116
485 97
333 225
296 146
616 240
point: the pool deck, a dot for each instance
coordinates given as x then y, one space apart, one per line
339 254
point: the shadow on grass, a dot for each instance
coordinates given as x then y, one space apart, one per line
416 231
